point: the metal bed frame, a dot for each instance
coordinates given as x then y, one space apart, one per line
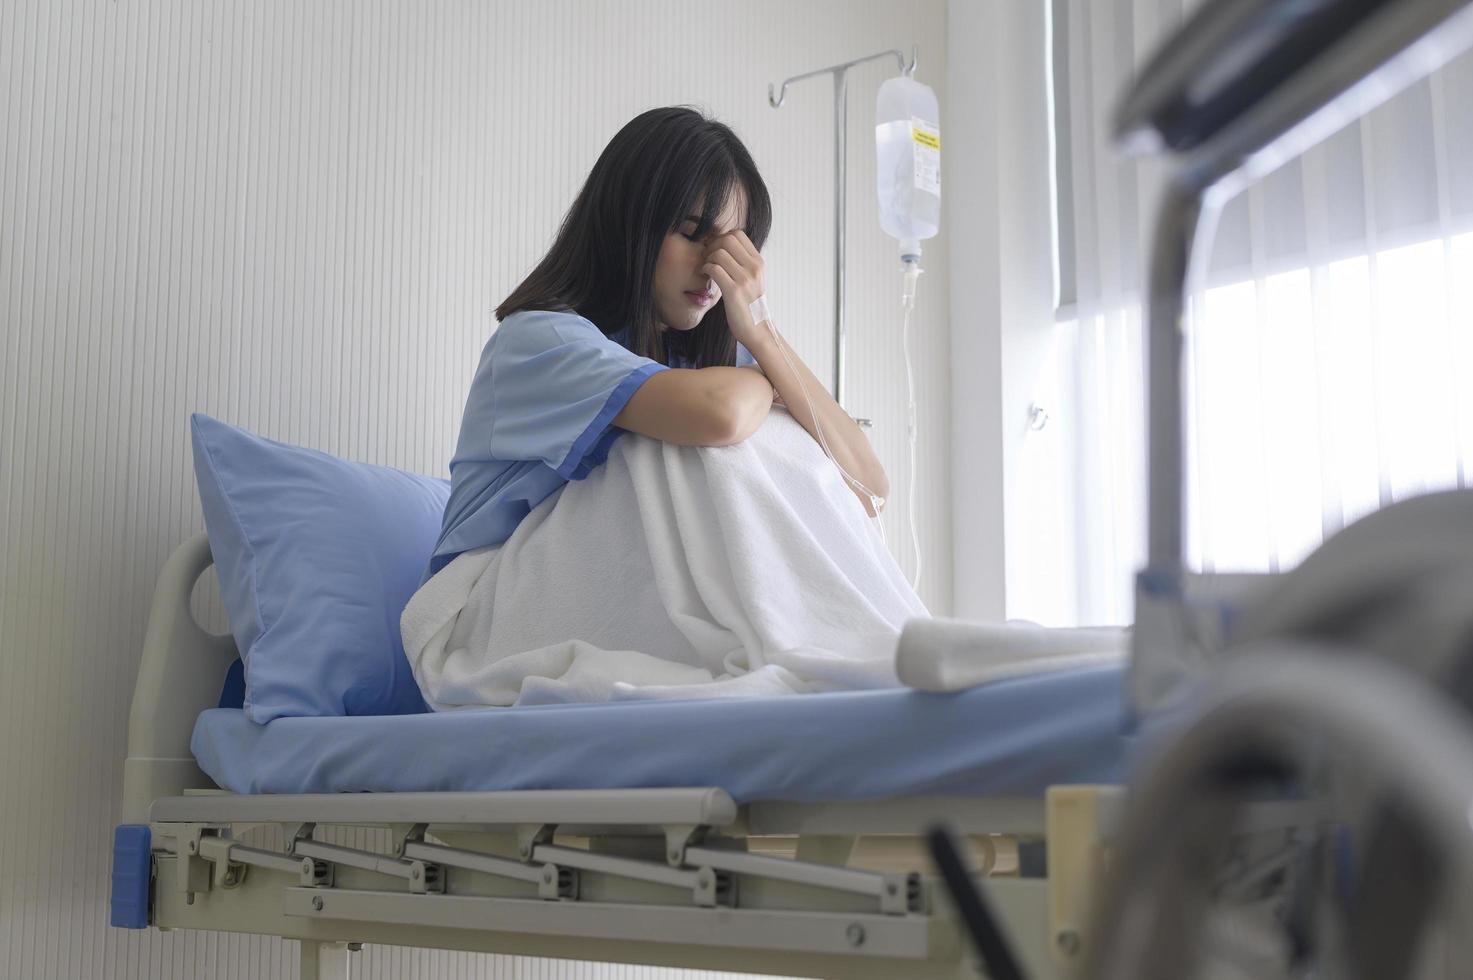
673 877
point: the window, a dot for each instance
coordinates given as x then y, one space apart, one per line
1330 353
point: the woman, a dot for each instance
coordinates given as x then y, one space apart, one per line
637 319
668 569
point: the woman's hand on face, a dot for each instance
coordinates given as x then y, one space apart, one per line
736 266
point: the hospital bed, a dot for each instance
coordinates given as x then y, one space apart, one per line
711 834
653 834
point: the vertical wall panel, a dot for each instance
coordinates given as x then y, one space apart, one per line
298 217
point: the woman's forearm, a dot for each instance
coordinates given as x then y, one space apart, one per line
743 398
846 440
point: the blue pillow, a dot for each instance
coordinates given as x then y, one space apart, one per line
317 558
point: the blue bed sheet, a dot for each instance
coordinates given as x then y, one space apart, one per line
1013 737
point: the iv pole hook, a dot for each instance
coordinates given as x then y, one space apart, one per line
776 99
841 88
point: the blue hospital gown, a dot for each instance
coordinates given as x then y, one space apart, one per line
540 413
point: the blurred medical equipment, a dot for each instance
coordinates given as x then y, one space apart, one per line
988 938
908 181
1244 88
1328 709
1304 806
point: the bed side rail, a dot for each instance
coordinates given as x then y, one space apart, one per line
179 676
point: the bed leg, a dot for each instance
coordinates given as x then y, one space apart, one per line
1077 820
325 961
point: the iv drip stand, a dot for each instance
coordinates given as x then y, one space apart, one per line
841 93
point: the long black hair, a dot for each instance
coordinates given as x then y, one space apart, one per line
651 175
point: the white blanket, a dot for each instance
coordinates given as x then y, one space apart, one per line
671 571
704 572
952 655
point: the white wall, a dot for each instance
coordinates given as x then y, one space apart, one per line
297 217
1001 309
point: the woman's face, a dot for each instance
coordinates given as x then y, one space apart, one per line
684 294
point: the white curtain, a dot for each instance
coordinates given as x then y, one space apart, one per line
1330 354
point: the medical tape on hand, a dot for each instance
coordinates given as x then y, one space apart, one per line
758 309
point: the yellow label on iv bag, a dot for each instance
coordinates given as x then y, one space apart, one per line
927 162
925 135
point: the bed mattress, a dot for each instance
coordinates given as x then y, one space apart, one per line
1014 737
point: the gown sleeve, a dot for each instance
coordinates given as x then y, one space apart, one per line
548 388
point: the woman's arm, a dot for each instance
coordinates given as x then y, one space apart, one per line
737 267
846 440
714 406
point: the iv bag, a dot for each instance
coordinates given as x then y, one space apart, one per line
908 162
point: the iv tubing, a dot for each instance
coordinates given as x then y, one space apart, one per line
913 272
759 311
